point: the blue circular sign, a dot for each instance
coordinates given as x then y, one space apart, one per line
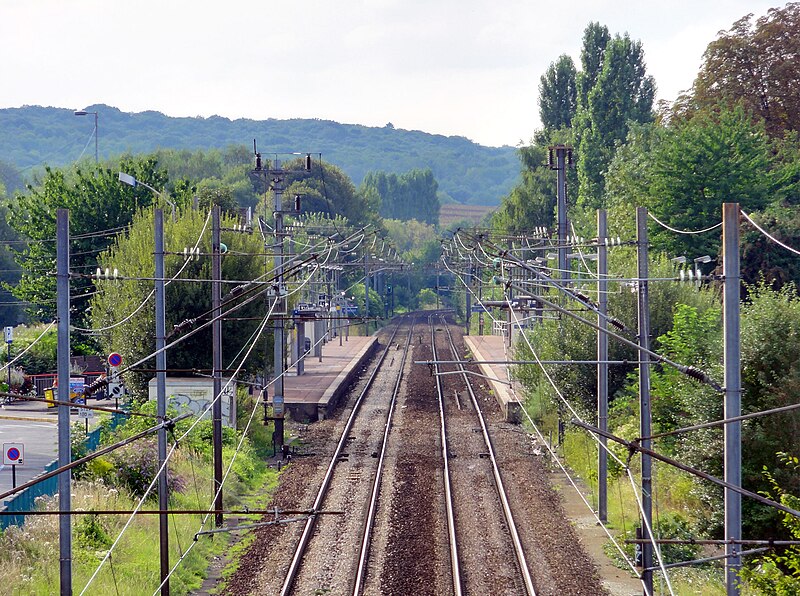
114 359
13 454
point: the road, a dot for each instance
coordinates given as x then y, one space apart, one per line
35 427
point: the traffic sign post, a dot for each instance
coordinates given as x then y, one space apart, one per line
13 455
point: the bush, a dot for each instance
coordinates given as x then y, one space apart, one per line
137 465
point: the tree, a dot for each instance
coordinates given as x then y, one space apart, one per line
757 64
132 254
685 172
412 195
595 40
99 207
326 189
622 93
558 94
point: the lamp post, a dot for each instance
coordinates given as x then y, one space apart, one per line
85 113
131 181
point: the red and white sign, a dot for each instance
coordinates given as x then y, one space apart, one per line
13 454
114 359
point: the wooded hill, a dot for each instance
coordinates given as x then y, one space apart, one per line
466 172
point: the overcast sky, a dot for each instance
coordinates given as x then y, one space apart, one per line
468 67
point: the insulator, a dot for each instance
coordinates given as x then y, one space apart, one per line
308 162
115 273
99 273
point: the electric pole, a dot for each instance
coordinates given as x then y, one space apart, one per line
733 395
563 158
602 360
644 395
161 400
216 347
64 450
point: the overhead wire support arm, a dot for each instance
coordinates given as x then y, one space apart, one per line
689 371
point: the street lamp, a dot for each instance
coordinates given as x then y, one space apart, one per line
131 181
85 113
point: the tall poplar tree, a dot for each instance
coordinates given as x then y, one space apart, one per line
558 94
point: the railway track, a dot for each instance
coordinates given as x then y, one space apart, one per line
371 447
492 559
408 443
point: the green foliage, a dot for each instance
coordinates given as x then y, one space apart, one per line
779 572
136 467
558 94
41 355
90 534
97 202
132 254
467 172
408 196
622 93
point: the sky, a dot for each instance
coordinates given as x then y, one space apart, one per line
469 68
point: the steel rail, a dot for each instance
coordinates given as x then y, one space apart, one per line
501 491
448 489
366 538
305 538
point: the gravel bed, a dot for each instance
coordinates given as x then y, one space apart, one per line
410 554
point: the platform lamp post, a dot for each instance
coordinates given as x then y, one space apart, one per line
131 181
85 113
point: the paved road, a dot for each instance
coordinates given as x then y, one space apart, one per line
35 428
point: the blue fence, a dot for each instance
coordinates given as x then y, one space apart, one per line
25 500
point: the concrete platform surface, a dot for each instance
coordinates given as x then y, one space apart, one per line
313 394
492 347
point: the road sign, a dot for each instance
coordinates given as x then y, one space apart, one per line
13 454
114 359
9 331
85 413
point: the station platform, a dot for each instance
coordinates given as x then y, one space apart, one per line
312 395
506 389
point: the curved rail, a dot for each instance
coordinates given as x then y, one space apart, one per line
297 559
376 483
455 565
501 491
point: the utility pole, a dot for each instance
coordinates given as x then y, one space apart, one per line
161 401
277 177
366 292
64 450
644 394
733 395
467 302
216 347
563 158
602 366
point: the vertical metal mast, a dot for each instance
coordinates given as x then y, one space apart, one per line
216 348
644 394
277 177
64 450
733 394
602 362
161 400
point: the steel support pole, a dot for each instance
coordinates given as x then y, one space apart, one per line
366 294
602 366
561 203
467 301
280 307
216 348
161 400
733 394
644 392
64 450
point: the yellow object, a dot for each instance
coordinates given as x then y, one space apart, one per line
50 395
